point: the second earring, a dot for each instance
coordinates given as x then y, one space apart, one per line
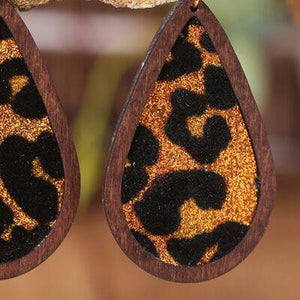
189 180
39 174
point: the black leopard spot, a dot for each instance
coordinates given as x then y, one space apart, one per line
22 242
28 102
47 150
8 69
143 152
6 217
186 57
145 242
216 133
218 88
37 197
188 252
144 148
206 43
134 180
159 210
192 21
4 31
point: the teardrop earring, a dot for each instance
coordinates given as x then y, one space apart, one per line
189 179
39 175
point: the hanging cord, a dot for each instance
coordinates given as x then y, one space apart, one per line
294 5
134 4
27 4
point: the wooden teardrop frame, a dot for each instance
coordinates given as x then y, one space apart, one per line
123 135
62 133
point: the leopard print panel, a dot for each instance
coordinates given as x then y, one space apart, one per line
190 186
31 170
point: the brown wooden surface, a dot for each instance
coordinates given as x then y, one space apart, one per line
121 93
60 127
122 138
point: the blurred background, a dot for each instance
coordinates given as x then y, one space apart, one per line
92 51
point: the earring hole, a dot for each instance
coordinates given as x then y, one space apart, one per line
195 5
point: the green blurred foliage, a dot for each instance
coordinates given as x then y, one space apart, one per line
91 128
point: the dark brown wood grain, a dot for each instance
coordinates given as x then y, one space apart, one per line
60 127
122 138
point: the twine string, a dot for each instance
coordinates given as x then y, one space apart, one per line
133 4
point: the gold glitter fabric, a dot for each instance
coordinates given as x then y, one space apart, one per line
31 172
193 116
